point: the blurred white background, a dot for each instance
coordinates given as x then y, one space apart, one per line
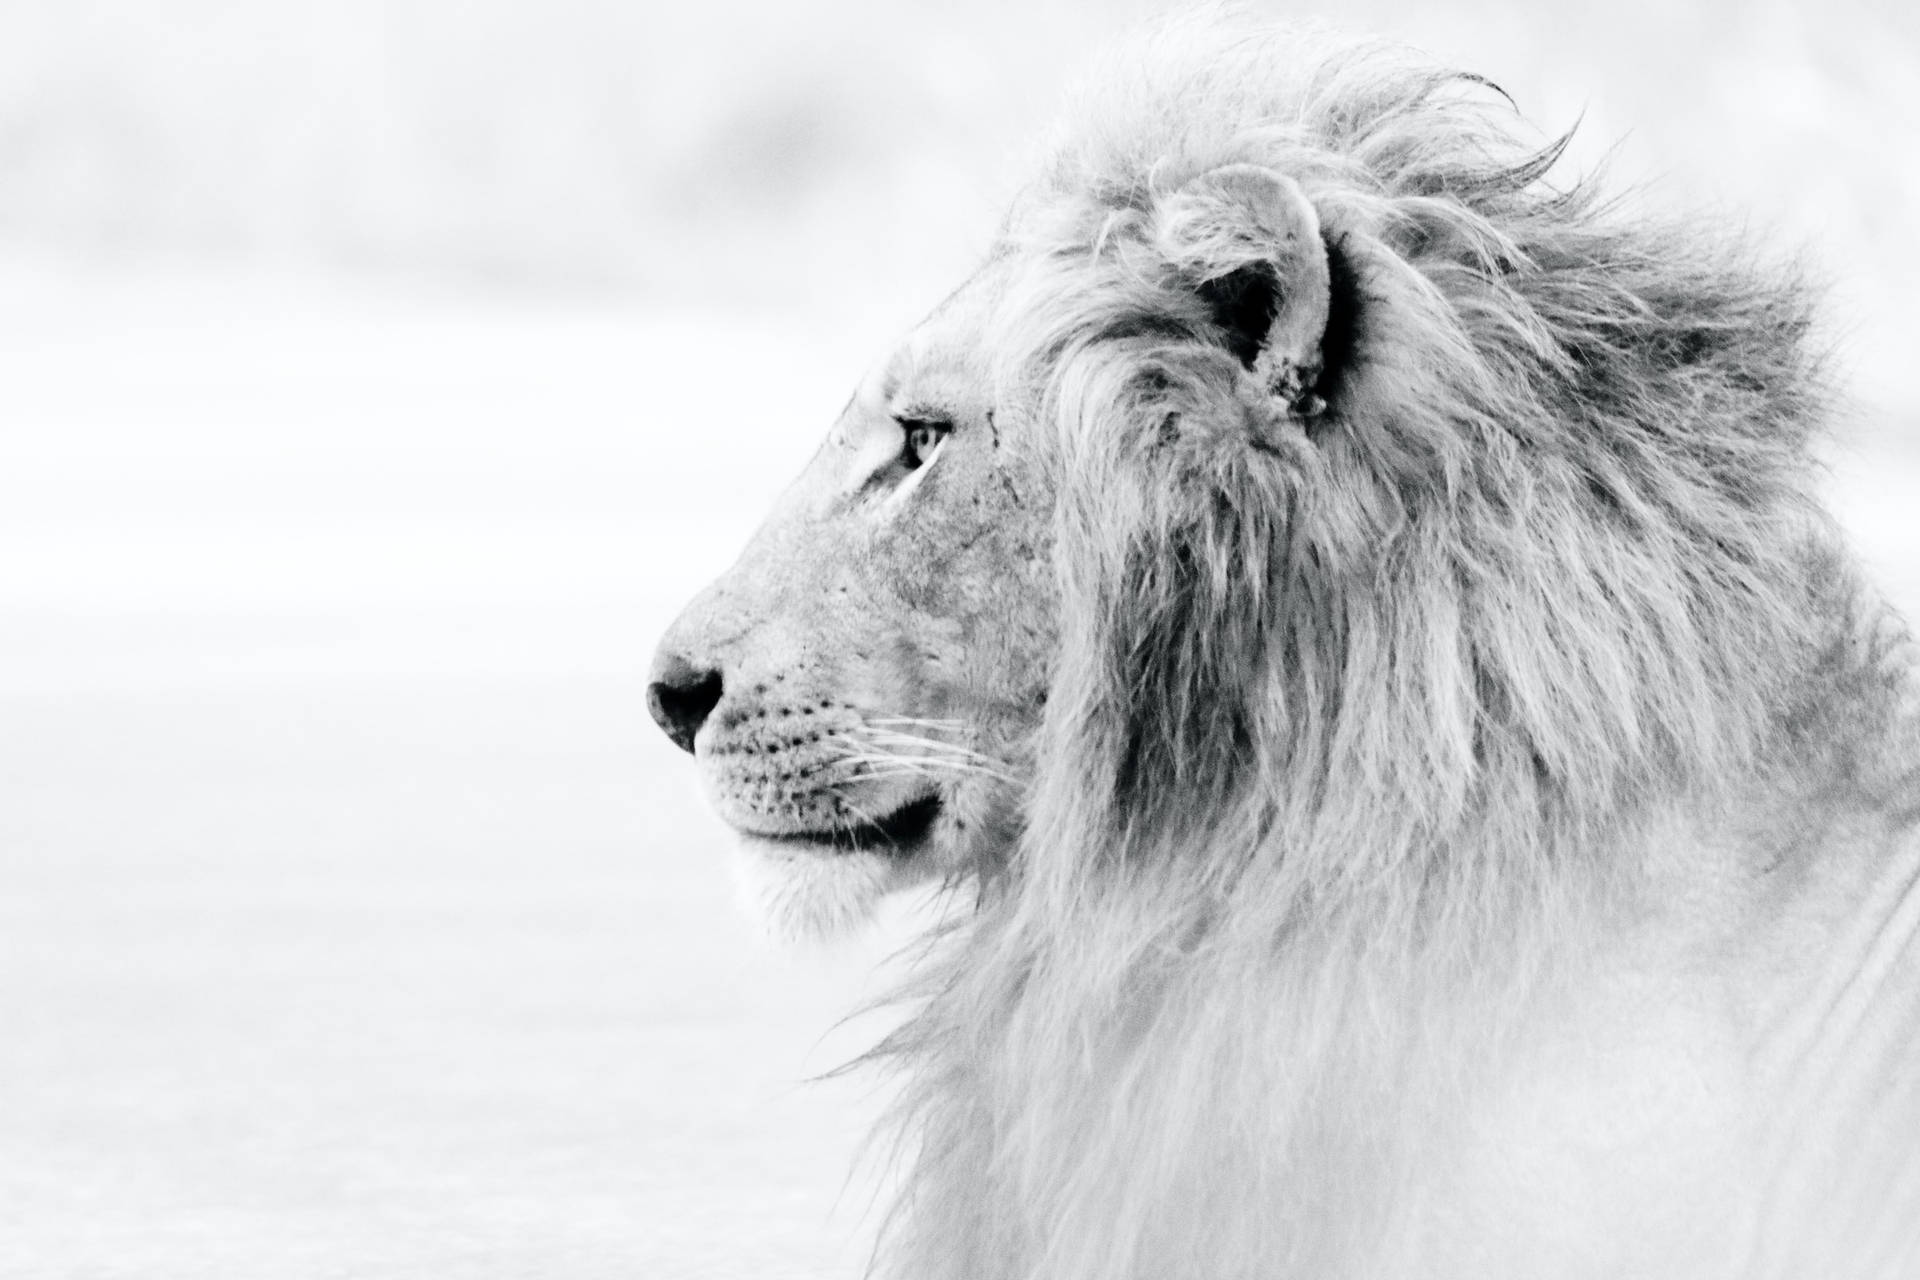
377 378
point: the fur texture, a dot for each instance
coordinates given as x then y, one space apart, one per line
1368 729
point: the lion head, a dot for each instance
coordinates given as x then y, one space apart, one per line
1304 432
1338 593
862 688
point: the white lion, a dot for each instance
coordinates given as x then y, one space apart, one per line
1440 800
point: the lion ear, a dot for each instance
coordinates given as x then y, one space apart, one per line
1248 240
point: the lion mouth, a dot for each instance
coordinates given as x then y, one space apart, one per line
898 832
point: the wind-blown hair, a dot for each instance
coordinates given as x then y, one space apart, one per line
1370 699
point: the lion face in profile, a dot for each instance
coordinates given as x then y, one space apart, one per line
858 688
863 688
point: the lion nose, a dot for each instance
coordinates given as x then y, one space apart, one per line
681 696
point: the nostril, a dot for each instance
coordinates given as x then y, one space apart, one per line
681 697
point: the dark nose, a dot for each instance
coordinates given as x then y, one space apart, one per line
681 697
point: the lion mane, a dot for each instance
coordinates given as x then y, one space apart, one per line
1368 718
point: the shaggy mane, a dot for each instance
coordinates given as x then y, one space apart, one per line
1361 726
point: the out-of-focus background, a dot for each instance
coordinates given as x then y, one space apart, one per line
376 380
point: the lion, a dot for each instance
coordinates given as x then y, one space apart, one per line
1345 611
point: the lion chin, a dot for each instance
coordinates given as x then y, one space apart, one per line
809 895
821 886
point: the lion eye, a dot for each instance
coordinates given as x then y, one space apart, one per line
923 438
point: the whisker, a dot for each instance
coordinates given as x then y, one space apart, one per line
869 819
888 775
884 737
888 765
897 736
878 757
868 751
923 766
912 766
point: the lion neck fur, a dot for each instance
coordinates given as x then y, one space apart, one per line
1370 738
